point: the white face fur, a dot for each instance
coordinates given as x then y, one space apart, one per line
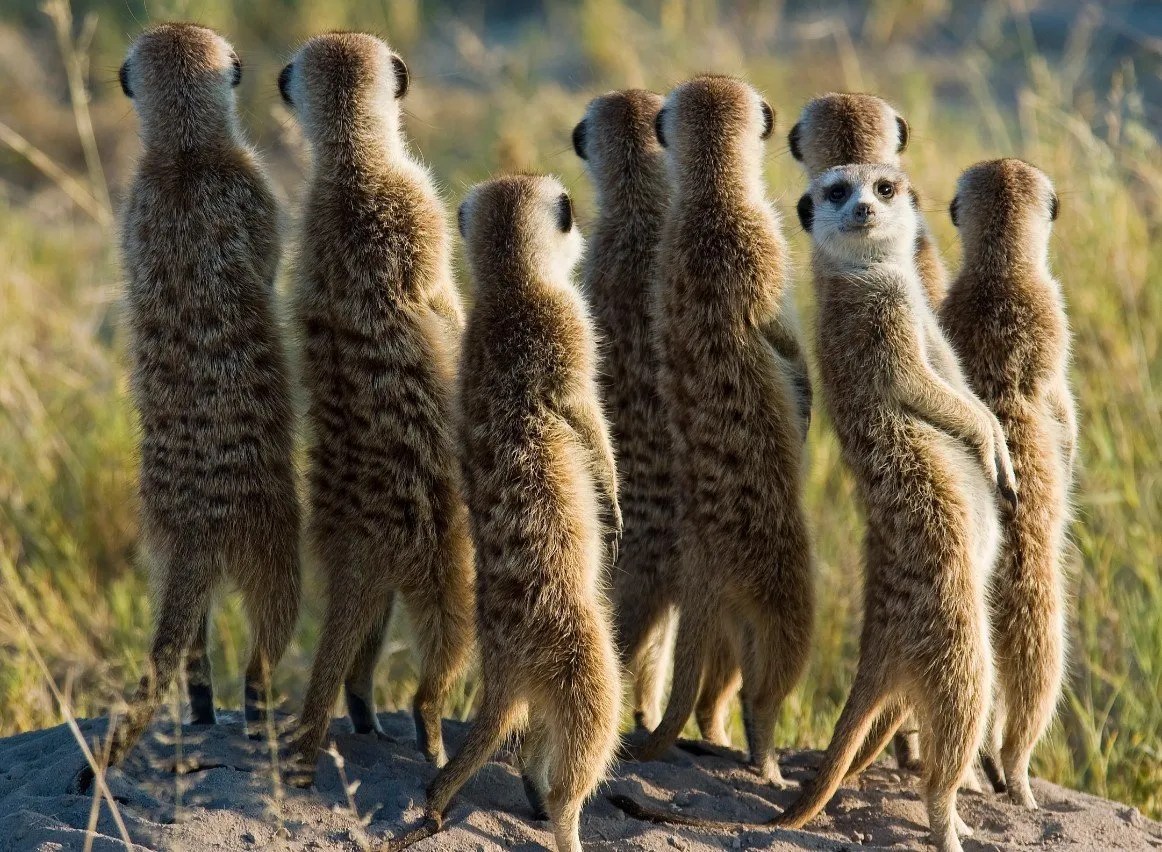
550 225
861 214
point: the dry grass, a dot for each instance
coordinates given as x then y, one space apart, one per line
67 562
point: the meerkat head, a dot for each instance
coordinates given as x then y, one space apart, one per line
181 79
711 117
345 90
1005 205
617 141
520 226
839 129
861 214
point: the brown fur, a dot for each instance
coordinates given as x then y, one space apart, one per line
539 479
380 318
841 129
628 167
737 397
927 456
1004 316
200 247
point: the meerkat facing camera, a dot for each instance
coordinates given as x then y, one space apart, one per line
1004 316
843 129
380 320
200 248
737 398
616 139
541 489
927 456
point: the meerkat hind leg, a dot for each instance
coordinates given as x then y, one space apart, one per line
359 687
534 770
199 680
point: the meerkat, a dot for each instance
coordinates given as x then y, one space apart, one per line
841 129
1005 318
616 139
927 456
734 385
200 249
542 495
380 319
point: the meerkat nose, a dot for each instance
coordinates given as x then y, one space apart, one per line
863 211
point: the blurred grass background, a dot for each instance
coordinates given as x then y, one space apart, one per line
1072 87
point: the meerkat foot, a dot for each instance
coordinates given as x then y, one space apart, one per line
434 752
993 772
536 799
971 781
1021 794
962 828
768 769
202 704
364 721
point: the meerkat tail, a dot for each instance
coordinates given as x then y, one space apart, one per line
851 730
882 730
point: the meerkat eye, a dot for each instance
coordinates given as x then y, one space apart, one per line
284 79
579 139
954 211
793 141
123 79
402 78
885 189
902 133
236 71
1054 208
768 120
565 213
838 193
659 121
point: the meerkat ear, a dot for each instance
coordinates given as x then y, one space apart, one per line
1054 208
793 141
123 79
954 210
284 79
806 210
402 79
579 138
768 121
659 121
461 220
565 213
902 133
236 68
915 198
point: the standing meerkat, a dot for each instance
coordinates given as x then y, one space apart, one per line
927 457
380 319
842 129
541 489
617 141
200 248
1005 318
737 398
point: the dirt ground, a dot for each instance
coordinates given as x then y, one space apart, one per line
226 798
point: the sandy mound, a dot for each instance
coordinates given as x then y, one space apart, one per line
225 799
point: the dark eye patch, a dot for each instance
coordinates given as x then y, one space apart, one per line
768 120
123 79
236 67
579 138
565 213
1054 208
954 211
806 210
793 141
659 120
902 133
402 78
837 193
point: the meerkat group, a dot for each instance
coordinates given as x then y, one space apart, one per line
559 478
